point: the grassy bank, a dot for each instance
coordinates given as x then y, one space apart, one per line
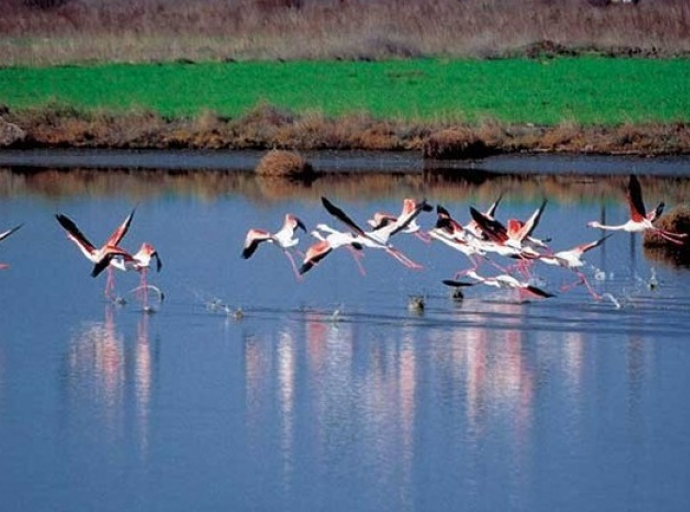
581 90
571 104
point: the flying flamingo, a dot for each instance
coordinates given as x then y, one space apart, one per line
572 260
380 238
451 233
325 245
383 220
140 262
513 241
283 238
4 235
506 281
93 254
641 221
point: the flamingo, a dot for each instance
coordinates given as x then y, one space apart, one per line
93 254
325 245
383 220
572 260
4 235
451 233
509 241
122 260
380 238
508 281
283 238
640 221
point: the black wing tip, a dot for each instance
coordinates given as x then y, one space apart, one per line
539 292
306 267
101 265
456 284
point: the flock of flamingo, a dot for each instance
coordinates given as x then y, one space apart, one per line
484 235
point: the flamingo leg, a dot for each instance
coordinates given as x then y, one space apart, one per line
403 259
676 238
424 237
109 284
475 266
582 280
143 285
357 256
505 270
293 264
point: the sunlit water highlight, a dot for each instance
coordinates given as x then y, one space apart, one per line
248 390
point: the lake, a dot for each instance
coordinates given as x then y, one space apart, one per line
248 389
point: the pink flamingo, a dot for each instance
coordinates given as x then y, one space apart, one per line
641 221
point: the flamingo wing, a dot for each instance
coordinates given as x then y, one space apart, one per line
119 233
530 224
591 245
315 254
108 256
341 216
538 291
493 229
491 212
75 234
456 284
9 232
637 209
252 241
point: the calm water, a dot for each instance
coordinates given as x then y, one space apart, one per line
330 394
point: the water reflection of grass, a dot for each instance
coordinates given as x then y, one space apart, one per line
210 186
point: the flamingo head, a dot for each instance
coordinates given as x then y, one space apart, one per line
146 252
294 222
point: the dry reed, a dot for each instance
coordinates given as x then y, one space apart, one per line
157 30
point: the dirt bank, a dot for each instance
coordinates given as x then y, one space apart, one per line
267 127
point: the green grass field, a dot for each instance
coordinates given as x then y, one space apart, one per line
587 90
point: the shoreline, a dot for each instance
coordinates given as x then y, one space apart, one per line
346 162
261 131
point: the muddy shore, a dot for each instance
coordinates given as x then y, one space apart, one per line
267 128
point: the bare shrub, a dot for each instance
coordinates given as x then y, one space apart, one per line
280 163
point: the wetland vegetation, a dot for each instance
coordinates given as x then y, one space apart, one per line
451 79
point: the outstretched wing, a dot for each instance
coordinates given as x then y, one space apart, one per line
491 212
341 216
9 232
591 245
252 241
121 230
314 255
75 235
637 209
493 229
531 224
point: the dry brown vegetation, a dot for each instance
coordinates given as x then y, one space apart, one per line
283 164
61 31
267 127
